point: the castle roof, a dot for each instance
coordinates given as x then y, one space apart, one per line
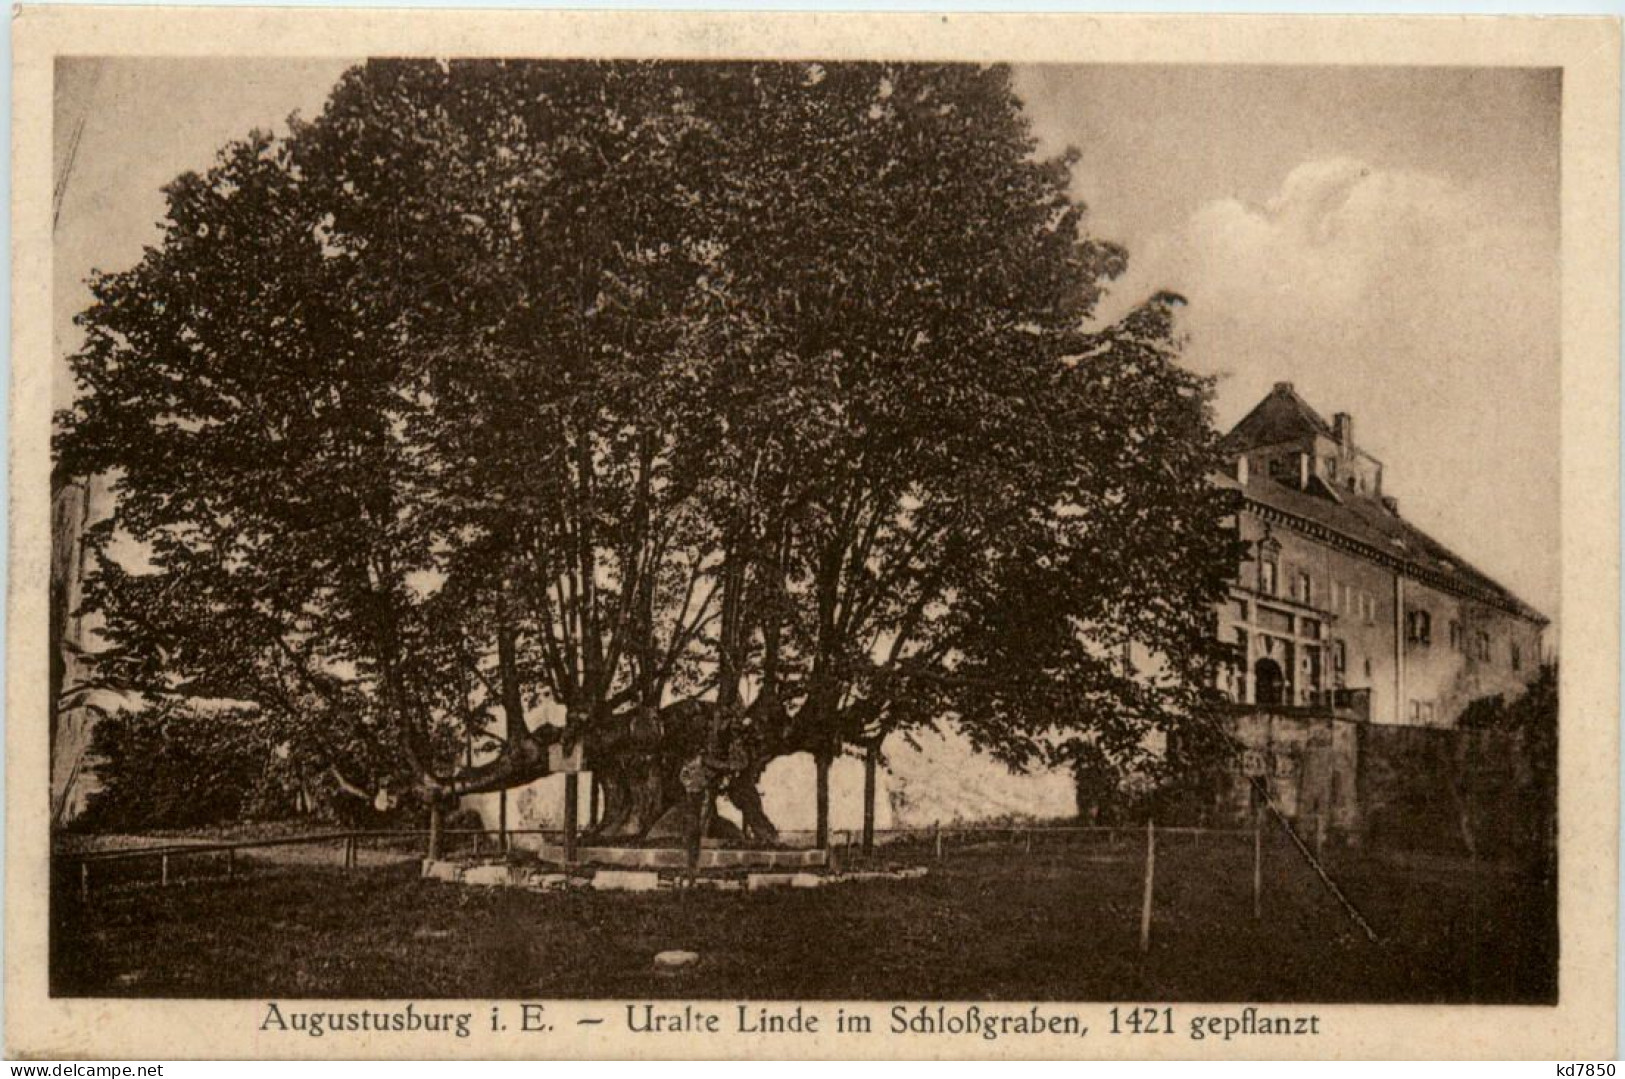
1282 416
1367 524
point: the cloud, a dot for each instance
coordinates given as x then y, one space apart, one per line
1420 305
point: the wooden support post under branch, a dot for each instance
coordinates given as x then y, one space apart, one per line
821 765
871 764
572 791
502 820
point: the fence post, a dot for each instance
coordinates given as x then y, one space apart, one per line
1258 865
1150 877
231 862
936 830
478 835
1029 834
1320 833
84 881
163 870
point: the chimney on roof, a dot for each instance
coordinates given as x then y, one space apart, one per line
1241 470
1283 387
1391 504
1343 428
1303 472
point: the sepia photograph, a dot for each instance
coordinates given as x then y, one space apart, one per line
778 532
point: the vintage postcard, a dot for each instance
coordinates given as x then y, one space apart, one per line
651 535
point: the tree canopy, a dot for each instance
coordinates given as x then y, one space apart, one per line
729 410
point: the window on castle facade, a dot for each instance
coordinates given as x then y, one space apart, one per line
1419 627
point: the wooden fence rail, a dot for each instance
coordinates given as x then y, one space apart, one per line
941 837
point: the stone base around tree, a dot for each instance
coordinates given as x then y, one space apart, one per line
502 875
677 857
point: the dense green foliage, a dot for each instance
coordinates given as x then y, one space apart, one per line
728 410
173 768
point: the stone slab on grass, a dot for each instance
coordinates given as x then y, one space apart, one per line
625 880
440 870
546 882
758 881
491 876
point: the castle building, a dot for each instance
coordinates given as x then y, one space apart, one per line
1342 606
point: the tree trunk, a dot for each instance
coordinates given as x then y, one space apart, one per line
638 792
746 795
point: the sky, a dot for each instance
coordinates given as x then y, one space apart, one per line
1386 239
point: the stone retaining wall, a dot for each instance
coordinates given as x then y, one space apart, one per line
1420 788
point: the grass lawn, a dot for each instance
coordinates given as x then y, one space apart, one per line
986 924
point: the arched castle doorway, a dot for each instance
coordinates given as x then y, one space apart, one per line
1269 683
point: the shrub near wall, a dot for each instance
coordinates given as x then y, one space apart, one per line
179 769
1446 791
